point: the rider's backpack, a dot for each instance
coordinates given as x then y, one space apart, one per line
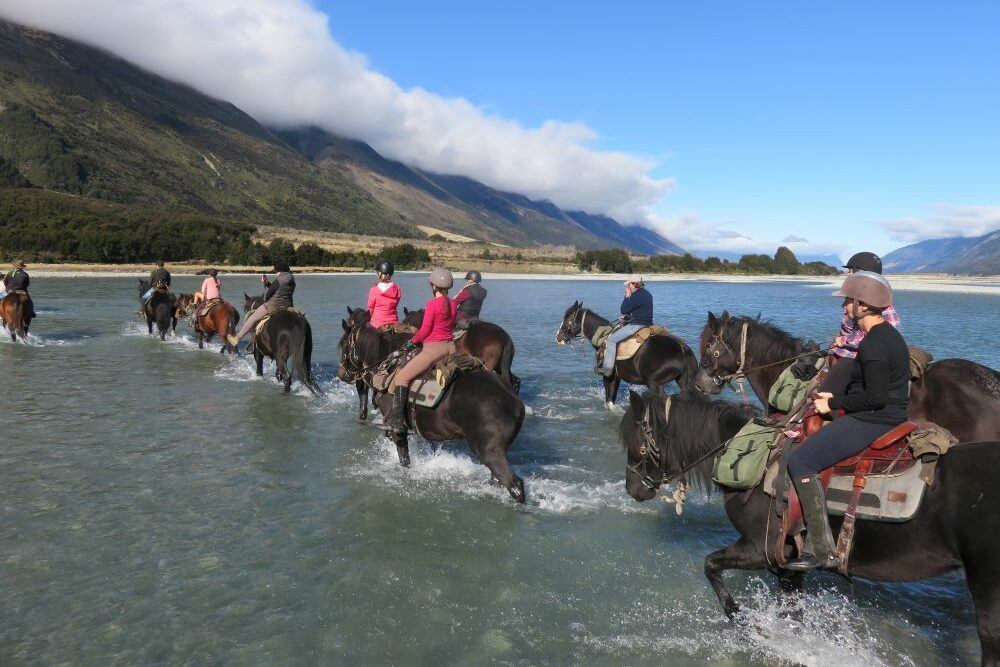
741 465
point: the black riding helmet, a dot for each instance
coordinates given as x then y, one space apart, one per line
864 261
280 267
385 266
474 276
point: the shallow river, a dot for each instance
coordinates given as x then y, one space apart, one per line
161 504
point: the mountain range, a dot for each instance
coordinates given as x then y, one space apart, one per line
972 255
80 120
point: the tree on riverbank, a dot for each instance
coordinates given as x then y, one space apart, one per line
784 262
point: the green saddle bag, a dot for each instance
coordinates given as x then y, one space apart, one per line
741 465
787 391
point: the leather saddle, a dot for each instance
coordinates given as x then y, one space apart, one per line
888 454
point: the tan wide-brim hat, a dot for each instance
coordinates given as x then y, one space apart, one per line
633 279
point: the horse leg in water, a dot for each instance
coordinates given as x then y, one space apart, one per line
403 449
611 385
740 555
362 389
149 323
258 357
284 373
201 338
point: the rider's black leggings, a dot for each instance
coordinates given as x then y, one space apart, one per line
833 443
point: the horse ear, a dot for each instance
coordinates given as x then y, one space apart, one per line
575 303
635 400
343 323
406 311
245 296
712 319
349 311
725 315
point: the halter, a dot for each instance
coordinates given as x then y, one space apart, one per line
649 451
739 374
582 312
357 371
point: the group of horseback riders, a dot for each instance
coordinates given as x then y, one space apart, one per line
441 316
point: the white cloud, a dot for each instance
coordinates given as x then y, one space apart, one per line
792 238
944 221
277 60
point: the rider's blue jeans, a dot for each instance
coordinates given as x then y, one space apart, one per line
611 346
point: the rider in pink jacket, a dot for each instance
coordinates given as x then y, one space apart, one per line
384 296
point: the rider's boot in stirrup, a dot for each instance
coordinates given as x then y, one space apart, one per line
820 551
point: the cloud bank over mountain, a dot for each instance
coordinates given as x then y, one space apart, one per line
277 60
944 221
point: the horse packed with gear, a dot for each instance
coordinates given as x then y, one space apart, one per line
955 522
658 359
958 394
472 403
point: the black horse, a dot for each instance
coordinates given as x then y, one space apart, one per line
488 342
16 312
477 406
159 309
958 394
369 343
660 360
286 336
957 525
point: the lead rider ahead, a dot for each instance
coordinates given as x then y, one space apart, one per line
875 402
636 313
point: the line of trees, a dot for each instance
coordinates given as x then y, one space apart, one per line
40 225
784 262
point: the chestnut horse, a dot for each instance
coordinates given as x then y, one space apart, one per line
16 312
221 319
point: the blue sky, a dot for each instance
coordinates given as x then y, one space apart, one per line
815 119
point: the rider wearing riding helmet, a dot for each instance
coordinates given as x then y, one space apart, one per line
845 345
435 334
636 313
279 295
384 296
874 403
469 300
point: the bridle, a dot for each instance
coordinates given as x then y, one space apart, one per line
713 352
354 370
582 313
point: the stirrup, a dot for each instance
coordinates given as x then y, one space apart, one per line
808 562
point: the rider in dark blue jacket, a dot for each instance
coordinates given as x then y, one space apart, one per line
637 312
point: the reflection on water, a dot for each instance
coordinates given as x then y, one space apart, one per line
164 504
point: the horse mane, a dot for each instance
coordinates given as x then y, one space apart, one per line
770 341
696 426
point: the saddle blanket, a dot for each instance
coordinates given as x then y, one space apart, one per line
263 321
894 496
628 347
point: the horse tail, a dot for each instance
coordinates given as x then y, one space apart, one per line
301 354
506 360
232 319
689 368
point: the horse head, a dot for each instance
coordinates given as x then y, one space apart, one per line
357 316
572 324
644 467
251 302
143 286
413 317
719 358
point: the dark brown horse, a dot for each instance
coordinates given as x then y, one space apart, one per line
477 407
958 394
161 309
956 527
373 344
488 342
16 312
182 308
221 319
660 360
286 337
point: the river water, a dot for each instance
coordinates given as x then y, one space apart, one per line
161 504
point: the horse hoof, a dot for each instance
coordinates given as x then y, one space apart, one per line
610 404
517 492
